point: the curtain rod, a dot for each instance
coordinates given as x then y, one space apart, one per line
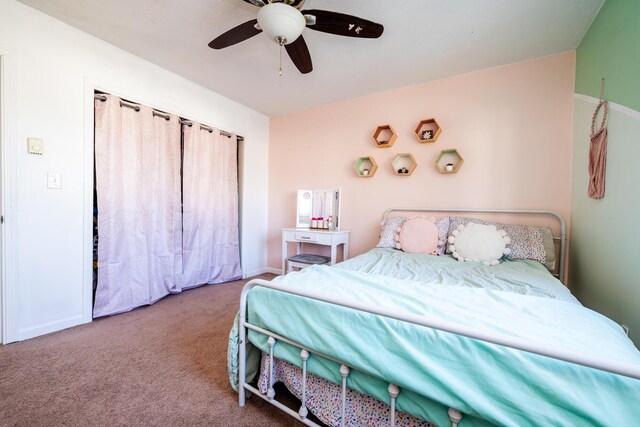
203 127
166 116
157 113
124 103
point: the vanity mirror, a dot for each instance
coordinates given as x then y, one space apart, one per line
323 204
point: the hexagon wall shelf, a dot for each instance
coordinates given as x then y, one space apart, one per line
366 167
402 162
449 161
428 130
385 136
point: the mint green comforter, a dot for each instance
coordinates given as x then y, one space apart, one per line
524 277
488 383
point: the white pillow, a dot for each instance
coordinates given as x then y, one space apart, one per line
477 242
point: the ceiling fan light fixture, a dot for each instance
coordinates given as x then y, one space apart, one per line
281 22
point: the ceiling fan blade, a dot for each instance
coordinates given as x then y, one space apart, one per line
236 35
344 25
299 54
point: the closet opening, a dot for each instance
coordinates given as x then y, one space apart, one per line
167 204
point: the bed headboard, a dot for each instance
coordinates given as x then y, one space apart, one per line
556 217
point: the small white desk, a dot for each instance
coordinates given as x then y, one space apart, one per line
316 237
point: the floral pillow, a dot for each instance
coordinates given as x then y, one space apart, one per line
443 232
391 226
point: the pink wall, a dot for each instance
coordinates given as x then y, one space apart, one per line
512 125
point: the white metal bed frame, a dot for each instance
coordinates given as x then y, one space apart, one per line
607 365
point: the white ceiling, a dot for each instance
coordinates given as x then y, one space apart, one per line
423 40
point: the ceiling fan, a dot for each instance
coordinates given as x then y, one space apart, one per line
284 22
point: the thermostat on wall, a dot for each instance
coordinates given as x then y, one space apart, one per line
35 146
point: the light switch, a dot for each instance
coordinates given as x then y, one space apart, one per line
35 146
54 180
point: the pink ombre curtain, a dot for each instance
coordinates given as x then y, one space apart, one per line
211 250
139 215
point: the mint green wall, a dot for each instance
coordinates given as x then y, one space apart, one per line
604 263
611 49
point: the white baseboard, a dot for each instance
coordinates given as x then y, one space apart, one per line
262 271
47 328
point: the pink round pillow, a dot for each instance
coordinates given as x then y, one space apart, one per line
419 235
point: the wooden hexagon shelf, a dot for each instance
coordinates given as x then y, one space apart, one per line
404 164
385 136
428 130
366 167
449 161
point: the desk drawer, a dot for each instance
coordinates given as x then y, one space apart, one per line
311 237
301 236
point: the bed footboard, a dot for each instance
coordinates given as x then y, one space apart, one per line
305 354
616 367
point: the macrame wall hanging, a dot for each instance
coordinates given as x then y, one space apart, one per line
598 151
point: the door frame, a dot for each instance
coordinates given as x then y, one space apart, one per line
8 242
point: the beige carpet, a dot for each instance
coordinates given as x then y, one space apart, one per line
162 365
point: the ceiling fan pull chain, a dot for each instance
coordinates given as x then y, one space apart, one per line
280 71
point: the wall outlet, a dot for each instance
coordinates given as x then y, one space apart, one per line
625 328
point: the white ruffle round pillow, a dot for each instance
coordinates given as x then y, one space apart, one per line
477 242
